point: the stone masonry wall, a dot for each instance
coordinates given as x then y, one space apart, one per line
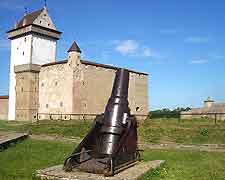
27 95
91 93
4 108
76 88
55 90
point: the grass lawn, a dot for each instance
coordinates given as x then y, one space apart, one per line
20 162
187 165
63 128
196 131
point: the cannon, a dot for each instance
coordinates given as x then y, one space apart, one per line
111 144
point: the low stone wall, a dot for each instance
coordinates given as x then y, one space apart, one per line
45 116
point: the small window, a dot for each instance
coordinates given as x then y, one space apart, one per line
42 84
21 89
61 104
137 109
23 53
48 24
83 83
40 22
45 14
46 105
17 48
25 39
56 83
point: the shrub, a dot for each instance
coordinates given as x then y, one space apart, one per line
204 132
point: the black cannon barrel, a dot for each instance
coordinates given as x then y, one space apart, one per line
121 83
111 144
115 115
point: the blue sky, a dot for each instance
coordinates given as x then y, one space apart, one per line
180 44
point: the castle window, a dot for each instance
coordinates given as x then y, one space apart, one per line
25 39
56 83
45 14
46 105
137 109
85 106
61 104
23 53
83 83
17 48
21 89
48 24
42 84
40 22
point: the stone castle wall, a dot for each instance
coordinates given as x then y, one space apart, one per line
96 86
76 88
27 87
55 90
4 108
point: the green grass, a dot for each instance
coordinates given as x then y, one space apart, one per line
20 162
62 128
195 131
186 165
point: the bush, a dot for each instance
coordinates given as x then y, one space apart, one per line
204 132
166 113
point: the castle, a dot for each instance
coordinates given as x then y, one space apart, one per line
42 88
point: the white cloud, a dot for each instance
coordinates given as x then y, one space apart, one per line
127 47
197 40
199 61
135 49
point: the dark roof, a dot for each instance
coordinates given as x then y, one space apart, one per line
54 63
92 64
108 66
74 47
29 18
4 97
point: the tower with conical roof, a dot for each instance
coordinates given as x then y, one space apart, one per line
74 53
33 43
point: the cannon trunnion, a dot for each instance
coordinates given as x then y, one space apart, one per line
111 144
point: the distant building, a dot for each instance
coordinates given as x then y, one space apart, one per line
45 88
209 110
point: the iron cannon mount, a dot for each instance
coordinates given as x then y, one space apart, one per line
111 144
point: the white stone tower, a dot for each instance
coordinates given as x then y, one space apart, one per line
33 42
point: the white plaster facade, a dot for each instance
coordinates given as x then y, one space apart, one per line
20 54
44 49
29 47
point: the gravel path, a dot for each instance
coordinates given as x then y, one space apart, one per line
165 146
